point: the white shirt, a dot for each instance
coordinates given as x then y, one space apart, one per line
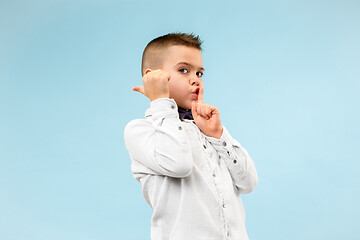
191 181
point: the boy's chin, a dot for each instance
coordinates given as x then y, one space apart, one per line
185 106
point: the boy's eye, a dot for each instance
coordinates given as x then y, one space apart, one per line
183 70
199 74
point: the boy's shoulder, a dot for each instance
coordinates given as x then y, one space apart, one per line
136 123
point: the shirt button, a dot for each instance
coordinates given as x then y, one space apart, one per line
228 234
234 161
172 107
228 153
214 175
204 146
224 144
180 128
223 205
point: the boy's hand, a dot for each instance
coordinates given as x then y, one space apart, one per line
156 84
207 117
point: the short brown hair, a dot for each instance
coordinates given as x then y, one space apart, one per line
153 53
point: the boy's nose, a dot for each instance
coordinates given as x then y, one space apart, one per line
195 82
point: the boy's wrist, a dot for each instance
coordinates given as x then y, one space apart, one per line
153 98
216 134
225 137
164 102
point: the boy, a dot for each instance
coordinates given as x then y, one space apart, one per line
191 170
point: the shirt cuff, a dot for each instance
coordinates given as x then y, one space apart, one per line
162 108
225 145
231 151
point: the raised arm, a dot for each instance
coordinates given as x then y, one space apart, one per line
237 159
158 144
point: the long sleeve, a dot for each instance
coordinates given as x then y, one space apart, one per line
159 142
238 161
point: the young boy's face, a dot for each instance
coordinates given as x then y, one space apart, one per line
186 69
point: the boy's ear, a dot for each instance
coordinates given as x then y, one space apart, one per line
147 70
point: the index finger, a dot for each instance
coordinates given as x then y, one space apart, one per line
201 95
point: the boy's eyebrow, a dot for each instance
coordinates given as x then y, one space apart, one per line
188 64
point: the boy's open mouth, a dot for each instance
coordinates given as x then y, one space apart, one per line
197 91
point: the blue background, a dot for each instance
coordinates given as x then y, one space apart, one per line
284 74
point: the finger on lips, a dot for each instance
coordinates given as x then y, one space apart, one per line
193 110
198 109
201 95
202 111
